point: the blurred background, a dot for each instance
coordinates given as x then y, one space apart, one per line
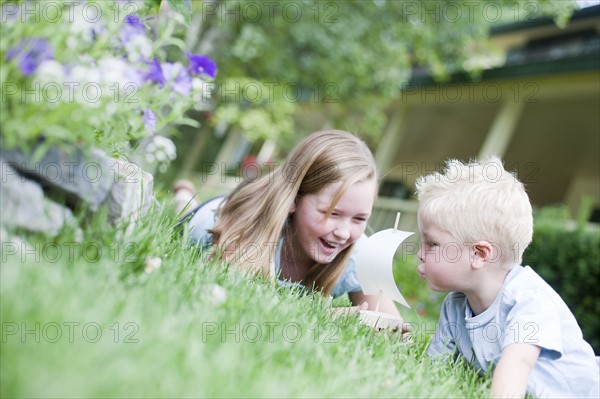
420 82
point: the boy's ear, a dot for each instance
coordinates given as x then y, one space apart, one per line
482 253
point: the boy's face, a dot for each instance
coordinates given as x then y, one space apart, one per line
445 263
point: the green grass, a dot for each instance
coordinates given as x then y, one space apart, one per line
89 322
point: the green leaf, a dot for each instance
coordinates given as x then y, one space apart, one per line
190 122
153 5
183 7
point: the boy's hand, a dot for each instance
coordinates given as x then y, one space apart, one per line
512 371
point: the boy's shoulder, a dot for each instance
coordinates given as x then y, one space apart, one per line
526 292
522 286
523 279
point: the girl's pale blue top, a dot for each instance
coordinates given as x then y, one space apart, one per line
203 218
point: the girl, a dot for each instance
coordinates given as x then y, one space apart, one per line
302 221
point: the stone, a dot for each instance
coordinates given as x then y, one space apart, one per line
132 194
25 207
87 180
66 170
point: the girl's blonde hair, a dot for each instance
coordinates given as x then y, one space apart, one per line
253 217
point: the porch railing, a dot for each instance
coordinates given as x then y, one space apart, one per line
384 216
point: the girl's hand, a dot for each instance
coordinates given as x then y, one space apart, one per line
404 331
403 327
345 311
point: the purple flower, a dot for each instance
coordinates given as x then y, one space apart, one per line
29 54
134 21
150 121
201 64
176 74
132 27
155 73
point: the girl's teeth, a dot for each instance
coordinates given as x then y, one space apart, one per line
331 244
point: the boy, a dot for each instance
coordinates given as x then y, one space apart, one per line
475 221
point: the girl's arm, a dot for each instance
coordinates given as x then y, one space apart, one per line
512 372
386 305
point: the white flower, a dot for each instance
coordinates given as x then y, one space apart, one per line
82 84
51 71
150 158
160 156
213 294
166 146
202 91
138 47
115 71
152 263
85 26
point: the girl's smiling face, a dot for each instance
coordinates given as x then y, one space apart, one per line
319 238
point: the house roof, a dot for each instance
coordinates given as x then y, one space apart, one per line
552 52
584 13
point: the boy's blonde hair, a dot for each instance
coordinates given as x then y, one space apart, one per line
478 201
255 215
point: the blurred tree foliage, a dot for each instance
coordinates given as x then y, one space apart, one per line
357 53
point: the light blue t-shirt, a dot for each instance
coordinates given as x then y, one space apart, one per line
203 218
526 310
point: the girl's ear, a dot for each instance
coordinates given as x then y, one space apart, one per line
293 207
482 252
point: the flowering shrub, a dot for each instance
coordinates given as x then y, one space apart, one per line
106 74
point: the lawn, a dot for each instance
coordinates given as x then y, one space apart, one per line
82 318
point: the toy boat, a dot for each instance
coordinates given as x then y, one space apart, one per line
374 263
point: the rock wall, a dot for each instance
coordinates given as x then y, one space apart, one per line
39 194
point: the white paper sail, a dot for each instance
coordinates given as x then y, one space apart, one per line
374 261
